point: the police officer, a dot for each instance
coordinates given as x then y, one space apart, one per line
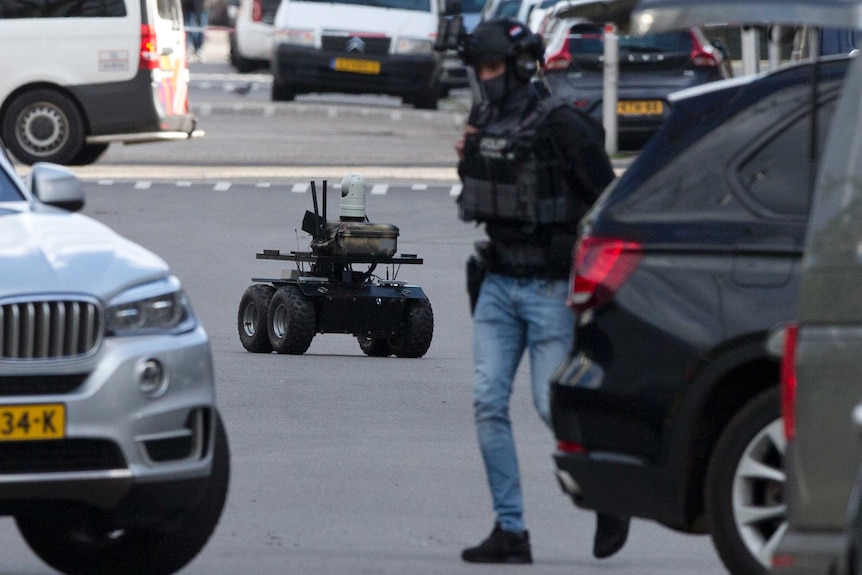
530 166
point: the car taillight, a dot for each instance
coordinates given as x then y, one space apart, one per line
149 58
570 447
703 55
601 265
788 381
558 61
256 11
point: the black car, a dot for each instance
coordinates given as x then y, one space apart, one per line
668 406
651 67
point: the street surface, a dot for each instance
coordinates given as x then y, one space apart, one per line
342 464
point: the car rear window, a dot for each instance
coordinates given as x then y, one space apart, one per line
739 148
586 39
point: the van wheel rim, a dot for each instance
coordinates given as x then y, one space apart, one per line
43 129
759 508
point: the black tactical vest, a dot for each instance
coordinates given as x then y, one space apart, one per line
510 175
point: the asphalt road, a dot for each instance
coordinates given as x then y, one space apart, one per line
344 464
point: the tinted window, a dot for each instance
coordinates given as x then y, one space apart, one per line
170 10
62 8
777 173
586 39
716 174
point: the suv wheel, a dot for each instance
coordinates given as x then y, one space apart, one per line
745 487
77 540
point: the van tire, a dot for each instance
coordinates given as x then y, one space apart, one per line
282 92
43 126
89 154
426 100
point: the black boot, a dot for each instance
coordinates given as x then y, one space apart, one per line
611 534
501 547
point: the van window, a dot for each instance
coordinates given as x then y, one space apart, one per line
62 8
170 10
419 5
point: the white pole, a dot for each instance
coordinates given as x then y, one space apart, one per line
611 87
750 50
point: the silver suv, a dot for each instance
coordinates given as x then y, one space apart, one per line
113 458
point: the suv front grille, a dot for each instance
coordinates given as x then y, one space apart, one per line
49 329
40 384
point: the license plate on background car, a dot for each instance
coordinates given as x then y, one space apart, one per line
356 66
23 422
640 107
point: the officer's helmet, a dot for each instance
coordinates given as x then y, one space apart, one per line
503 39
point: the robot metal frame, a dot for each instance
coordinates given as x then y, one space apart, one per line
334 288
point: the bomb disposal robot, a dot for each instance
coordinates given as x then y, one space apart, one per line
334 288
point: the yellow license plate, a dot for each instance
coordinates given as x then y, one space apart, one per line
24 422
640 108
356 66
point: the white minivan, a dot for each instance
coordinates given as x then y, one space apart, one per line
358 46
77 75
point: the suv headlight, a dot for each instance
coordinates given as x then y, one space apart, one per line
157 308
414 46
295 36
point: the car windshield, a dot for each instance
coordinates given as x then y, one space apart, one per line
471 6
420 5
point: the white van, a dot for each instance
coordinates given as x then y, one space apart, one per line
358 46
78 74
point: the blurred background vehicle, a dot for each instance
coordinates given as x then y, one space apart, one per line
668 405
119 74
651 67
358 47
253 34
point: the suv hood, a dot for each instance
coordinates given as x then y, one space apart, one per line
55 251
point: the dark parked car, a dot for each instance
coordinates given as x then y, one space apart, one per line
651 67
668 406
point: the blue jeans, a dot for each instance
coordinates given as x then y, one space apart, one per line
511 315
196 23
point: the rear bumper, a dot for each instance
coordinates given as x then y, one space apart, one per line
609 483
310 70
810 553
143 137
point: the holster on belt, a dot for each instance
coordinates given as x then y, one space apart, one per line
477 266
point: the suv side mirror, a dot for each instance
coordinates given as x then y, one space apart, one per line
56 186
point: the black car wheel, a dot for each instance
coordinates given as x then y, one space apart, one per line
43 126
89 153
374 346
282 92
253 317
76 540
745 487
415 333
291 321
